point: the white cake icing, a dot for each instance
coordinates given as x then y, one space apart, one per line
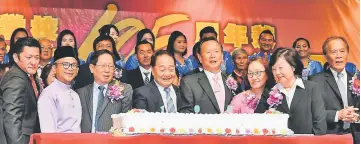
213 124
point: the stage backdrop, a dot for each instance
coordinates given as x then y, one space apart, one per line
238 22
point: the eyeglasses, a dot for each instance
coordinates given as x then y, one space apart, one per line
67 65
257 74
104 66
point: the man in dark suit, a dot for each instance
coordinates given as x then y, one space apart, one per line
142 75
18 97
340 103
159 95
97 107
206 89
85 77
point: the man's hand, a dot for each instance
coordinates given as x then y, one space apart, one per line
348 114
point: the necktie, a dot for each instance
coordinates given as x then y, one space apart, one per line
99 107
170 104
34 86
146 80
343 93
218 92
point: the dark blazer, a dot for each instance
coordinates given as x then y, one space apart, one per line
134 78
19 117
118 106
307 112
149 98
85 77
333 101
196 90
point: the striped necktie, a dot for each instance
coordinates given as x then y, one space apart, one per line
170 104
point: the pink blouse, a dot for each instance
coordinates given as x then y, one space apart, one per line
245 102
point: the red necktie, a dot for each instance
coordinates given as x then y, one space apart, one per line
34 86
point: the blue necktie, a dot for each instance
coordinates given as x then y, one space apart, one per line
170 104
99 107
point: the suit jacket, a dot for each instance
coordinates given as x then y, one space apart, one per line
333 101
307 114
196 90
108 108
85 77
149 98
18 117
134 78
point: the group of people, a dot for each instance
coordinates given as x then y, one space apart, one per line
64 94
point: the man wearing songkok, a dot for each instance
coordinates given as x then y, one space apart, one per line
206 90
105 96
19 92
59 106
159 95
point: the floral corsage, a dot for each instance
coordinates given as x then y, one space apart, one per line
355 85
275 97
115 88
232 84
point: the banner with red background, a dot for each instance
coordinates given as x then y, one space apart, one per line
238 22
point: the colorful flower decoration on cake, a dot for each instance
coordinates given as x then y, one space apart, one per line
191 130
248 131
200 131
265 131
275 97
161 130
182 131
256 131
172 130
232 84
237 131
152 130
219 131
273 131
209 130
228 131
355 85
131 129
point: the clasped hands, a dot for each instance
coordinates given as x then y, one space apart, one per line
348 114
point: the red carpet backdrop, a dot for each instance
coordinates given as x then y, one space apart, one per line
238 22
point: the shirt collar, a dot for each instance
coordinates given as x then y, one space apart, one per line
298 83
96 85
334 73
210 74
144 70
161 87
61 84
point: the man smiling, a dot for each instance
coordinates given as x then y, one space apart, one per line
59 106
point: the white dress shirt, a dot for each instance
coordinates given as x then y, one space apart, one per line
290 92
164 96
344 81
143 70
95 101
210 78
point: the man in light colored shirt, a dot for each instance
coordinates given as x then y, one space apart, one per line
58 105
97 104
206 89
341 104
159 95
143 74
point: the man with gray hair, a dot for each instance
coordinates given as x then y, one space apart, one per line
46 56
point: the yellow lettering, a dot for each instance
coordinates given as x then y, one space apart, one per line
235 34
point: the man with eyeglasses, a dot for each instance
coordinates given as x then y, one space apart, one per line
59 106
46 54
97 104
266 41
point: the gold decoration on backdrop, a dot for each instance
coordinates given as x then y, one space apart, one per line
44 26
10 22
235 34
